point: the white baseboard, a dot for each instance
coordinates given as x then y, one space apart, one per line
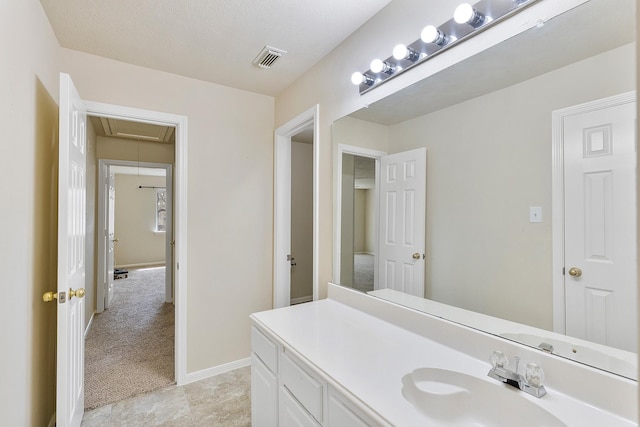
216 370
86 330
52 421
142 265
300 300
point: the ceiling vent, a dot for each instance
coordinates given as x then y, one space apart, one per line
268 56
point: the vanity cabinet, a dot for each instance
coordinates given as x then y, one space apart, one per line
264 380
286 391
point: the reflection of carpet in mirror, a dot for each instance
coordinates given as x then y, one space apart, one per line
363 272
129 349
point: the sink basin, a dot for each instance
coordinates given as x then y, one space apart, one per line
456 399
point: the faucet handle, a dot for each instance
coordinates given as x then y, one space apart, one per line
534 375
498 359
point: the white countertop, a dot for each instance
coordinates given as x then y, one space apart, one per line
369 357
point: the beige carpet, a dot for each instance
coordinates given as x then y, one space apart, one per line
129 349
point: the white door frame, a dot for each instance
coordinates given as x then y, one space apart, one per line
337 219
102 220
282 204
180 213
557 225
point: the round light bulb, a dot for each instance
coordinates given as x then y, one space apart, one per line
429 34
377 65
400 52
463 13
357 78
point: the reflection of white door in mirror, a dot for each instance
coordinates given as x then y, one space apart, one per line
402 221
600 222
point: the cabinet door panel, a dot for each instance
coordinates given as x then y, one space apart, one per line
340 415
292 414
264 395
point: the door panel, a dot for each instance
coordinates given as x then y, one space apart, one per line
111 236
71 262
600 226
402 221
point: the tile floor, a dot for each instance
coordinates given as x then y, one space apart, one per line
222 400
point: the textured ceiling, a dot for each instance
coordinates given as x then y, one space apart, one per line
211 40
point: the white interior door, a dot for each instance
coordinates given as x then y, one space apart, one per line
600 226
111 236
403 183
71 253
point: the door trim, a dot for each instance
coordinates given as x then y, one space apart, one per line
337 214
557 196
180 258
282 202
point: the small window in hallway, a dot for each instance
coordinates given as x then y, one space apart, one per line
161 209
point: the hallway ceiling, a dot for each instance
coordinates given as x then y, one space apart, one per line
211 40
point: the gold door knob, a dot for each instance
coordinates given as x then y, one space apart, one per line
575 272
416 256
49 296
115 240
79 293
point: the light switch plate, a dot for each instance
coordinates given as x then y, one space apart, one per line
535 214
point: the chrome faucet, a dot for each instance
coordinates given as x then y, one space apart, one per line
530 382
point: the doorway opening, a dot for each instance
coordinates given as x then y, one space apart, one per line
301 258
283 265
130 342
358 174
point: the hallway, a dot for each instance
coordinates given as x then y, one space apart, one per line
129 349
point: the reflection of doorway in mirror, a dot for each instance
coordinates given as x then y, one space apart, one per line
358 220
600 223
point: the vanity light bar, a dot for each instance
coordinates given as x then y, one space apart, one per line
468 21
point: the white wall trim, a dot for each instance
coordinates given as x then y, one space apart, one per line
86 330
180 212
282 203
557 197
337 217
143 265
216 370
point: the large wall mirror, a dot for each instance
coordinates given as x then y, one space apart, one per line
493 128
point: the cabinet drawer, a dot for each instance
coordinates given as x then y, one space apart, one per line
265 349
306 389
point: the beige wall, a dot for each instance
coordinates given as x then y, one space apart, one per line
359 223
302 219
328 84
230 159
135 221
371 233
28 184
481 184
